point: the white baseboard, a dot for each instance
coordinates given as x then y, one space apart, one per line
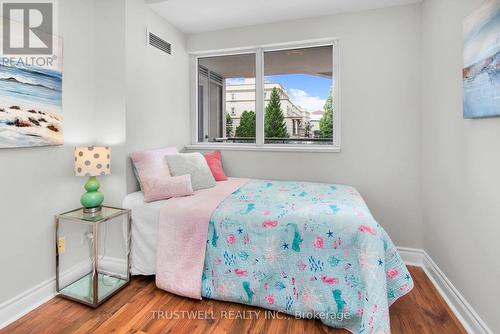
467 316
27 301
412 256
16 307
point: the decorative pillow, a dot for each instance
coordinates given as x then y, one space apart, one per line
162 188
136 174
193 164
215 164
150 164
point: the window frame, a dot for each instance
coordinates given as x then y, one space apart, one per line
259 52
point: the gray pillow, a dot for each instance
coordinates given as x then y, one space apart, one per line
193 164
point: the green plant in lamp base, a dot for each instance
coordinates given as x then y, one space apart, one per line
93 197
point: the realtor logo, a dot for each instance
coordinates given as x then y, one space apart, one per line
27 28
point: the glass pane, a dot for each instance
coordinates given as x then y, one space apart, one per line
106 212
112 241
226 99
82 289
298 94
75 261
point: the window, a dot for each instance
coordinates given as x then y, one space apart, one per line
269 97
219 79
302 81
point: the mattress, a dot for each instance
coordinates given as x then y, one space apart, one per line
145 217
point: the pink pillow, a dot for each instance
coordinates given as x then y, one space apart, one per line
152 164
174 186
215 164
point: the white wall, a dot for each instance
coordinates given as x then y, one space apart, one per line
157 85
113 85
380 88
461 164
39 182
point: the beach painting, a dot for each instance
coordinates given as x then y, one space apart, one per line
481 72
31 99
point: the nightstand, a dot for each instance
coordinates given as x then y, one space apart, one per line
92 254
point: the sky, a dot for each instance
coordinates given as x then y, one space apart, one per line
308 91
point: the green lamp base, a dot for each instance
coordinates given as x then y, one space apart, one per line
93 198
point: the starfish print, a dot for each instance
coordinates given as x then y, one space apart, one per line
285 245
240 230
330 234
380 262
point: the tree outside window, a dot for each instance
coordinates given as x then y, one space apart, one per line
326 122
274 125
247 125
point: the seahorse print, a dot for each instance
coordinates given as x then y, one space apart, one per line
297 239
214 234
250 208
249 292
337 296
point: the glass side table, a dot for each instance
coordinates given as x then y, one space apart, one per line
92 254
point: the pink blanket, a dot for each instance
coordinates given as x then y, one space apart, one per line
182 238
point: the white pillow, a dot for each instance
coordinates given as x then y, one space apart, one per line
193 164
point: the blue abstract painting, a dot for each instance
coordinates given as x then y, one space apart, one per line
481 72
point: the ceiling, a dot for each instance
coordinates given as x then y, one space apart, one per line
193 16
316 61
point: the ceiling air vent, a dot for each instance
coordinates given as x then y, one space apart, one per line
159 43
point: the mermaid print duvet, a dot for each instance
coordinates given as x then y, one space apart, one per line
305 249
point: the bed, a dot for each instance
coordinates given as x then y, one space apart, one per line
145 217
305 249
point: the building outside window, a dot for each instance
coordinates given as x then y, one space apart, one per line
291 111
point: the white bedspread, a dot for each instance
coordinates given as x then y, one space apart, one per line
145 217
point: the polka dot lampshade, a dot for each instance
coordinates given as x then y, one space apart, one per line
92 161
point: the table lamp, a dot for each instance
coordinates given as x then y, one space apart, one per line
92 161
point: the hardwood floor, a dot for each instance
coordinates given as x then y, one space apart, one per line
422 311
